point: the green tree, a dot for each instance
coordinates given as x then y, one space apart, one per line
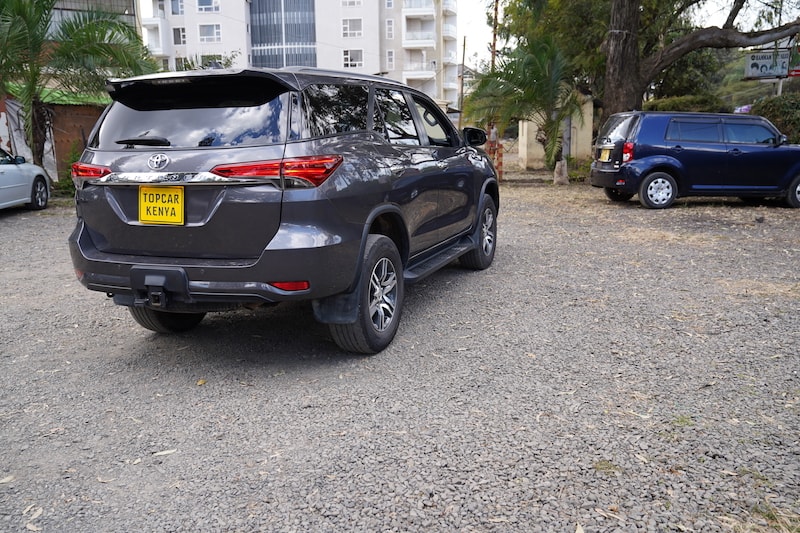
619 48
75 56
531 82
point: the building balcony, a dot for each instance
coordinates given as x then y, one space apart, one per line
419 71
449 32
157 36
419 39
449 7
419 9
450 58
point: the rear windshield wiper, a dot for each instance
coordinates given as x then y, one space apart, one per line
145 140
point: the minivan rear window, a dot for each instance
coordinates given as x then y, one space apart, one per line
332 109
617 128
238 122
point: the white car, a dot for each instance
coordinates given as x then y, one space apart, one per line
22 183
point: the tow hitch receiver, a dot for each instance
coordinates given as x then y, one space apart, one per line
157 287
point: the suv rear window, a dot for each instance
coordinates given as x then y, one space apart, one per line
617 128
244 117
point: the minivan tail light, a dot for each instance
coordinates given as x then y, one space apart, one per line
627 152
313 170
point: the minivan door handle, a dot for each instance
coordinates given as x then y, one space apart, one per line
735 151
677 148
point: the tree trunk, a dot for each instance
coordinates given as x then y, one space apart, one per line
623 90
40 122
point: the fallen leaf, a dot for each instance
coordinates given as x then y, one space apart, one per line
7 479
579 529
36 514
165 452
201 382
137 461
101 480
32 527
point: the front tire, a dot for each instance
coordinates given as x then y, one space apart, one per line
482 256
615 195
164 322
793 198
39 194
658 190
380 302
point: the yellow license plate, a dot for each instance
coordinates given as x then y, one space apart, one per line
161 205
605 155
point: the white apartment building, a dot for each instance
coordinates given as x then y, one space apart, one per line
413 41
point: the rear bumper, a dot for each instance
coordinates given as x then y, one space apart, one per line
328 265
621 179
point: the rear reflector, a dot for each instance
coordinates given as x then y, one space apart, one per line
312 170
291 285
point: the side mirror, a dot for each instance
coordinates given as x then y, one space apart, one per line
783 139
474 136
19 160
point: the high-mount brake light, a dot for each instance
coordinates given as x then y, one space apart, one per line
85 171
627 152
313 170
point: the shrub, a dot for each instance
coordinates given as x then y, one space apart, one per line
784 112
702 103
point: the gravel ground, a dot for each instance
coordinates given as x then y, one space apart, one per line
617 369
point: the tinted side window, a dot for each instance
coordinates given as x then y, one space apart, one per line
433 124
749 133
397 118
693 130
334 109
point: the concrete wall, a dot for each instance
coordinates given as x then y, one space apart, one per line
578 135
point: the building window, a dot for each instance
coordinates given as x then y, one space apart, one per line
181 63
353 58
351 3
210 33
390 28
390 60
389 4
351 28
178 35
177 7
208 6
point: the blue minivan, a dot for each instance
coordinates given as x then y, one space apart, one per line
662 156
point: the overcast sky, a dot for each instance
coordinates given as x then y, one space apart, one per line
472 25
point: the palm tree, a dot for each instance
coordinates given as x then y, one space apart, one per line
76 56
532 82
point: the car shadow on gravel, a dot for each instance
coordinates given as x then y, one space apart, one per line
284 336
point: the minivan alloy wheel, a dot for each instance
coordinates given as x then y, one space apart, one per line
383 294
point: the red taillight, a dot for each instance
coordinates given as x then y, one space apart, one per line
84 171
291 285
313 170
627 152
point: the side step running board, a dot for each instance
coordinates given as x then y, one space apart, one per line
437 261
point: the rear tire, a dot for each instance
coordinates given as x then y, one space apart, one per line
658 190
481 257
793 198
615 195
164 322
39 194
380 303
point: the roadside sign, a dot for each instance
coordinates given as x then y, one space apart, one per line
767 64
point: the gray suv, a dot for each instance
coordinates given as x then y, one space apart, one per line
215 190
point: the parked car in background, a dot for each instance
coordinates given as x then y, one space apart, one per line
662 156
219 189
22 183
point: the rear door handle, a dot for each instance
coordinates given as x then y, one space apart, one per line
678 148
735 151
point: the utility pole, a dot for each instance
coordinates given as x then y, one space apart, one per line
461 91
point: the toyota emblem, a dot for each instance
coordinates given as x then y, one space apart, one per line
158 161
